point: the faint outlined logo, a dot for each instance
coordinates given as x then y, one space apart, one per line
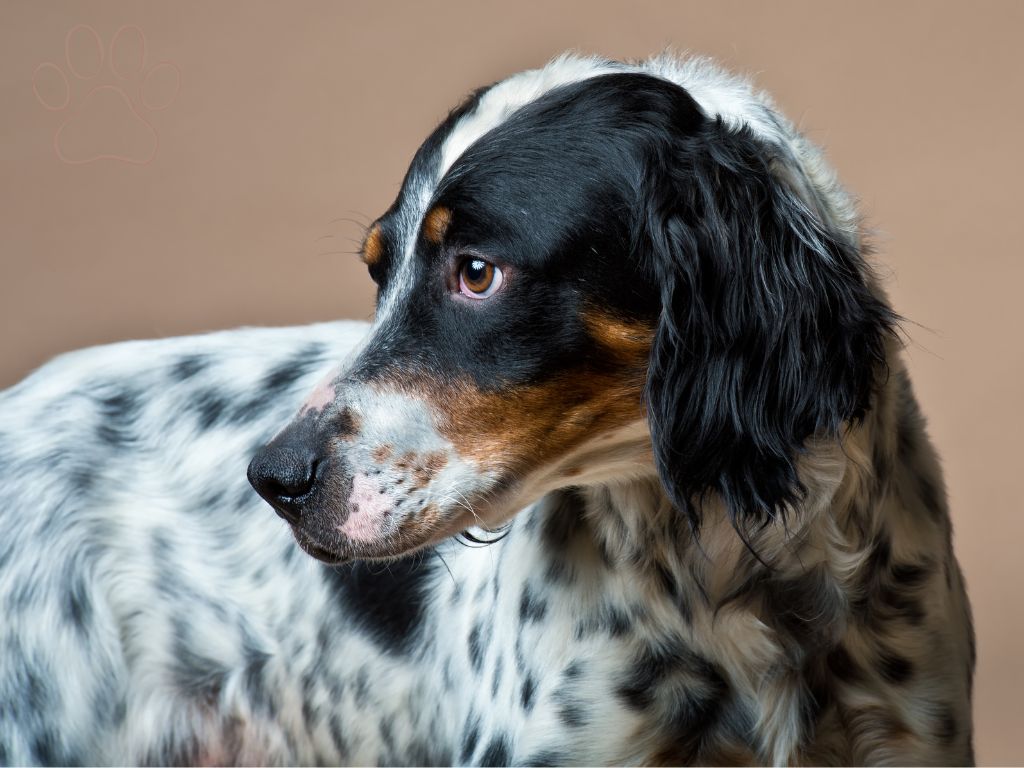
111 121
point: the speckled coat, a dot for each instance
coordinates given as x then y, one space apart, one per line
156 611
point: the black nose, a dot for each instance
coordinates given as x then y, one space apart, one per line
284 475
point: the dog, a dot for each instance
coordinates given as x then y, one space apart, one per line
627 470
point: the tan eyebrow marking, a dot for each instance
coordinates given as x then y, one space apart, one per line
436 223
372 248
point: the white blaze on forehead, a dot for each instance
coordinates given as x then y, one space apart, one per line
495 106
717 92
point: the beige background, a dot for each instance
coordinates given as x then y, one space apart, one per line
293 125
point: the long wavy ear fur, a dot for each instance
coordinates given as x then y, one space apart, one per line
769 332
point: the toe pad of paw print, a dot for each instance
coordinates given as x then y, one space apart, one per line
106 96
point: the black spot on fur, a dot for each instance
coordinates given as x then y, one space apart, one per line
195 675
902 604
168 751
657 663
528 693
692 711
498 752
254 678
545 759
559 528
210 407
477 643
531 608
386 601
895 668
338 737
470 739
571 713
559 572
78 604
891 589
281 377
946 729
36 690
387 737
46 748
842 666
667 581
911 574
81 480
616 621
736 722
118 413
499 668
806 610
361 687
881 555
188 366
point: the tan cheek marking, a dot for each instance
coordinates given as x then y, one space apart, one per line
515 430
382 453
372 248
626 340
529 426
436 223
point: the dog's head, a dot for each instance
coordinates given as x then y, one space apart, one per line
593 272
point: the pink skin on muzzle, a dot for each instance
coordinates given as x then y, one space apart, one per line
368 510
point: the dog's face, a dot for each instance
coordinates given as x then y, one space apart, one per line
560 282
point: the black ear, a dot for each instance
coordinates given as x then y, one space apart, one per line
769 332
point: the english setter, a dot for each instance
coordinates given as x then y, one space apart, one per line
626 470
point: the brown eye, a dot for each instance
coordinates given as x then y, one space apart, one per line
479 278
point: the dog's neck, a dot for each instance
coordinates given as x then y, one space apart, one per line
764 612
846 483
